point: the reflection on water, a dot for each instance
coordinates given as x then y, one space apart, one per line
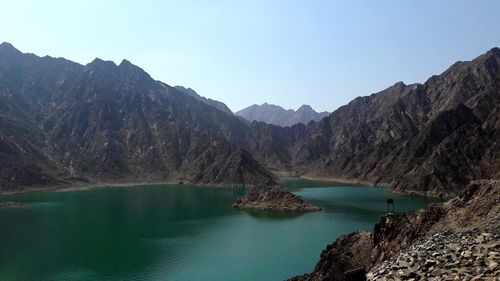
297 183
262 214
177 232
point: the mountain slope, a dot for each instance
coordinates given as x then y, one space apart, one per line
61 121
217 104
429 138
106 122
276 115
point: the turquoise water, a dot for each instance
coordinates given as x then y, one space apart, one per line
177 232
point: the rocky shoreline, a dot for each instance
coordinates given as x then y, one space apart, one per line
455 240
10 204
273 198
268 198
471 254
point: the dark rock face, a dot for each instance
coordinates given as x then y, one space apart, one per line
273 198
348 252
60 121
430 138
227 165
403 237
394 232
277 115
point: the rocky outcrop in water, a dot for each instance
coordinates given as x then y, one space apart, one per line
456 239
273 198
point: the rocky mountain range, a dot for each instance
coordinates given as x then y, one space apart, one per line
277 115
430 138
62 122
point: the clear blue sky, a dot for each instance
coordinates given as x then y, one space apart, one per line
322 53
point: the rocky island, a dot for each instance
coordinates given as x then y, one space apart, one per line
273 198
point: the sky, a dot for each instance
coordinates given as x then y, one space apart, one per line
322 53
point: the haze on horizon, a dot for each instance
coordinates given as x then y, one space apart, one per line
288 53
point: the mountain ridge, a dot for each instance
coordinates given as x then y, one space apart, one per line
277 115
430 138
61 120
217 104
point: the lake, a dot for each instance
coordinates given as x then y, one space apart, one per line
178 232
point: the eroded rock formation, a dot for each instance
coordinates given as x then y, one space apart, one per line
273 198
456 237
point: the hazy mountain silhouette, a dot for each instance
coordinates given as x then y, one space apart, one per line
277 115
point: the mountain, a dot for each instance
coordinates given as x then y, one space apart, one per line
277 115
217 104
430 138
62 122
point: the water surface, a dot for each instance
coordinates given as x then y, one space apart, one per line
177 232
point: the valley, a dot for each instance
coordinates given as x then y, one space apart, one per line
63 123
82 145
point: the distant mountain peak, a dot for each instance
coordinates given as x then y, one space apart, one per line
305 107
6 47
277 115
494 51
124 69
129 67
125 62
97 62
270 105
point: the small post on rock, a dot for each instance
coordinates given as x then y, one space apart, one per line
390 205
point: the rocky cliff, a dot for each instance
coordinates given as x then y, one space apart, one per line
459 238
